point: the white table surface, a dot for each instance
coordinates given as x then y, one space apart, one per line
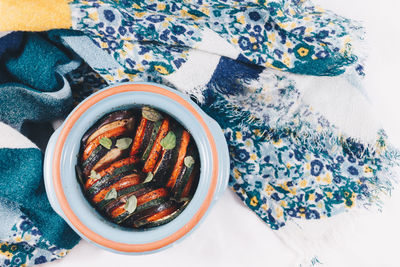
232 235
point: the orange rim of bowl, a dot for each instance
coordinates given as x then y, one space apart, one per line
74 220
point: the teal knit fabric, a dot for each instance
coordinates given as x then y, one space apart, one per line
33 92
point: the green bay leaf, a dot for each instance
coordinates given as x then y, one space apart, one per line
189 161
169 141
131 204
106 142
149 177
94 175
151 114
123 143
112 194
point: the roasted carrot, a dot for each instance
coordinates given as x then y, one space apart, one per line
109 127
127 181
161 192
95 143
179 162
111 169
118 211
137 141
162 214
156 149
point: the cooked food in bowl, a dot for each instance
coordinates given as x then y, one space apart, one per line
139 167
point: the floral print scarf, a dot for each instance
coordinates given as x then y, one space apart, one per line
288 160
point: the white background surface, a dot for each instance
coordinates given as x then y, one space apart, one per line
232 235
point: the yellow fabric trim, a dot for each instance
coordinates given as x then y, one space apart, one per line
34 15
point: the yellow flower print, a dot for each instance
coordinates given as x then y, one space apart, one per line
27 237
128 46
327 179
271 37
236 173
252 39
269 189
8 254
286 60
240 19
161 6
329 194
147 56
139 14
18 239
103 45
253 156
14 247
234 40
367 169
109 77
303 183
62 253
205 10
289 44
94 16
279 13
277 143
283 203
165 24
302 51
238 135
282 25
257 132
136 6
292 191
121 73
308 166
311 197
302 212
254 201
288 166
161 69
279 212
264 206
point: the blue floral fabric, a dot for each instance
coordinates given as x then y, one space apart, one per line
287 160
154 37
301 167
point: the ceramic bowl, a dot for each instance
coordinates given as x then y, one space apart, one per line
64 191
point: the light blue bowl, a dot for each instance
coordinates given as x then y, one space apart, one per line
125 100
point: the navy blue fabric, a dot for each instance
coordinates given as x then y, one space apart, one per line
10 42
228 73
